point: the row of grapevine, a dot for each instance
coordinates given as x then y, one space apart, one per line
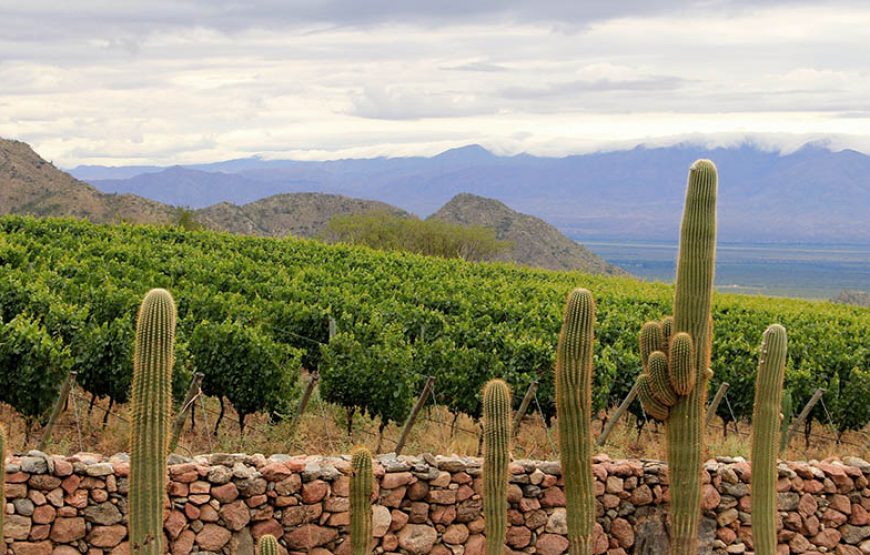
252 311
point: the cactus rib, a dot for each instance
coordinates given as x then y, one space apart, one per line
496 457
361 485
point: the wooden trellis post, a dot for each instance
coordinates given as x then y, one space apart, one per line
524 405
412 418
801 418
58 408
714 404
618 414
178 425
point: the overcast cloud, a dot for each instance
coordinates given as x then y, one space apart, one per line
192 81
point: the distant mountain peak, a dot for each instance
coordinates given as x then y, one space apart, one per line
467 153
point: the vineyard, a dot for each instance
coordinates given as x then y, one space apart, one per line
252 313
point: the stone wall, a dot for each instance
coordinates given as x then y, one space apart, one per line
221 503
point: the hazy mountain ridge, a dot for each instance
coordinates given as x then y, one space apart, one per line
30 185
534 242
810 195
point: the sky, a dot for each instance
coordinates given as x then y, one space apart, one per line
183 81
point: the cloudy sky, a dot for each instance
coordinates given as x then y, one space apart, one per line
180 81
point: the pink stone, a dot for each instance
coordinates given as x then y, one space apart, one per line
550 544
213 537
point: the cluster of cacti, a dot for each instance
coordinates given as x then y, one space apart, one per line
676 357
267 545
151 401
766 424
496 457
574 410
361 485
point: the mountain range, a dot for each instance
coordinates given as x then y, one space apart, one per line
31 185
811 195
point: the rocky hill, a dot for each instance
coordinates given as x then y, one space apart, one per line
297 214
31 185
534 241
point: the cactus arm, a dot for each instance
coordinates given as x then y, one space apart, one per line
573 381
659 381
496 457
151 403
361 502
651 339
681 370
692 303
651 405
267 545
765 438
667 330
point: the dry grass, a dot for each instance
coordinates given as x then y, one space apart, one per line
322 430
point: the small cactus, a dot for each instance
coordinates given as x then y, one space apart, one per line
361 485
496 457
267 545
574 410
2 486
765 438
153 357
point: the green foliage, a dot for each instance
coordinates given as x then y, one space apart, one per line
361 486
573 378
765 437
852 410
153 357
480 320
32 366
384 230
367 368
102 355
185 218
496 457
243 364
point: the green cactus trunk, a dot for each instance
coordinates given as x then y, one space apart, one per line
151 401
361 485
267 545
496 457
574 410
692 303
765 438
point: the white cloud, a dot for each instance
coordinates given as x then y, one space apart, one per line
170 82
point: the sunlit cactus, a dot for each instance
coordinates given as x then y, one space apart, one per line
686 341
2 487
574 410
765 438
151 401
361 485
496 457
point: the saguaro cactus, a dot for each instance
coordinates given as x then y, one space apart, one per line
267 545
574 410
361 485
496 457
765 437
679 400
149 440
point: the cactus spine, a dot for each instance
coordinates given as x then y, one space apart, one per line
267 545
765 438
687 340
361 485
496 456
151 400
574 410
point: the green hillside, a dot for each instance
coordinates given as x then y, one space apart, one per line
262 305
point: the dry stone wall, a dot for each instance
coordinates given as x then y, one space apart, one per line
222 503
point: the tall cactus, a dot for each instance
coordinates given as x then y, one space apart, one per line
496 457
149 440
361 485
574 410
765 437
267 545
686 346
